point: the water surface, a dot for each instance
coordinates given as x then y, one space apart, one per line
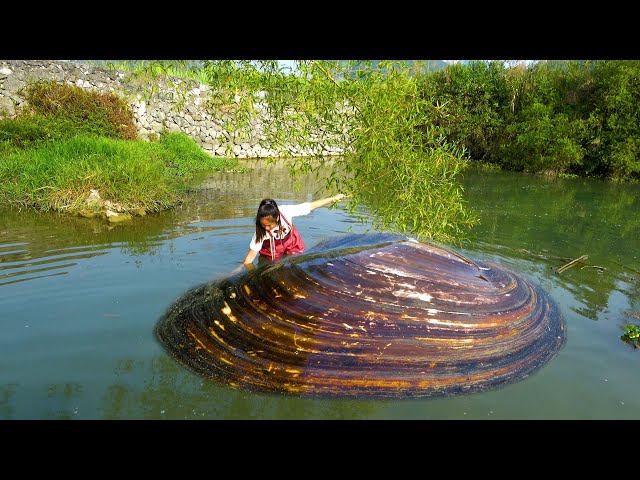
80 299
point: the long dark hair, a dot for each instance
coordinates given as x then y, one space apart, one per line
267 208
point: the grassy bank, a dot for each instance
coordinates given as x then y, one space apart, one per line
132 176
77 152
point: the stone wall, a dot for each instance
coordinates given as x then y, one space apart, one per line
173 104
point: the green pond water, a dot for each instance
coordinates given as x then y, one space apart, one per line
79 300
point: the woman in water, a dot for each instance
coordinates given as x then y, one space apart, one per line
275 233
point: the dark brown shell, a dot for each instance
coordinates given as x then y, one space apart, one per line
369 315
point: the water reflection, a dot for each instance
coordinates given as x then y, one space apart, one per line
547 222
201 399
35 245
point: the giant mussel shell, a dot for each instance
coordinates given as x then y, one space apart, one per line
366 316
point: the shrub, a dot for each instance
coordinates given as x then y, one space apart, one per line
103 114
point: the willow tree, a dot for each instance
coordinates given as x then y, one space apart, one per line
396 162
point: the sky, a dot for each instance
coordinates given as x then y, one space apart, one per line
287 63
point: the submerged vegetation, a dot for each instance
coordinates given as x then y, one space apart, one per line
631 335
410 132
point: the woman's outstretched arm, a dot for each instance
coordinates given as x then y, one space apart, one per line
326 201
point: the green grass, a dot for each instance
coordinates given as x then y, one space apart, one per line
32 130
60 174
71 141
